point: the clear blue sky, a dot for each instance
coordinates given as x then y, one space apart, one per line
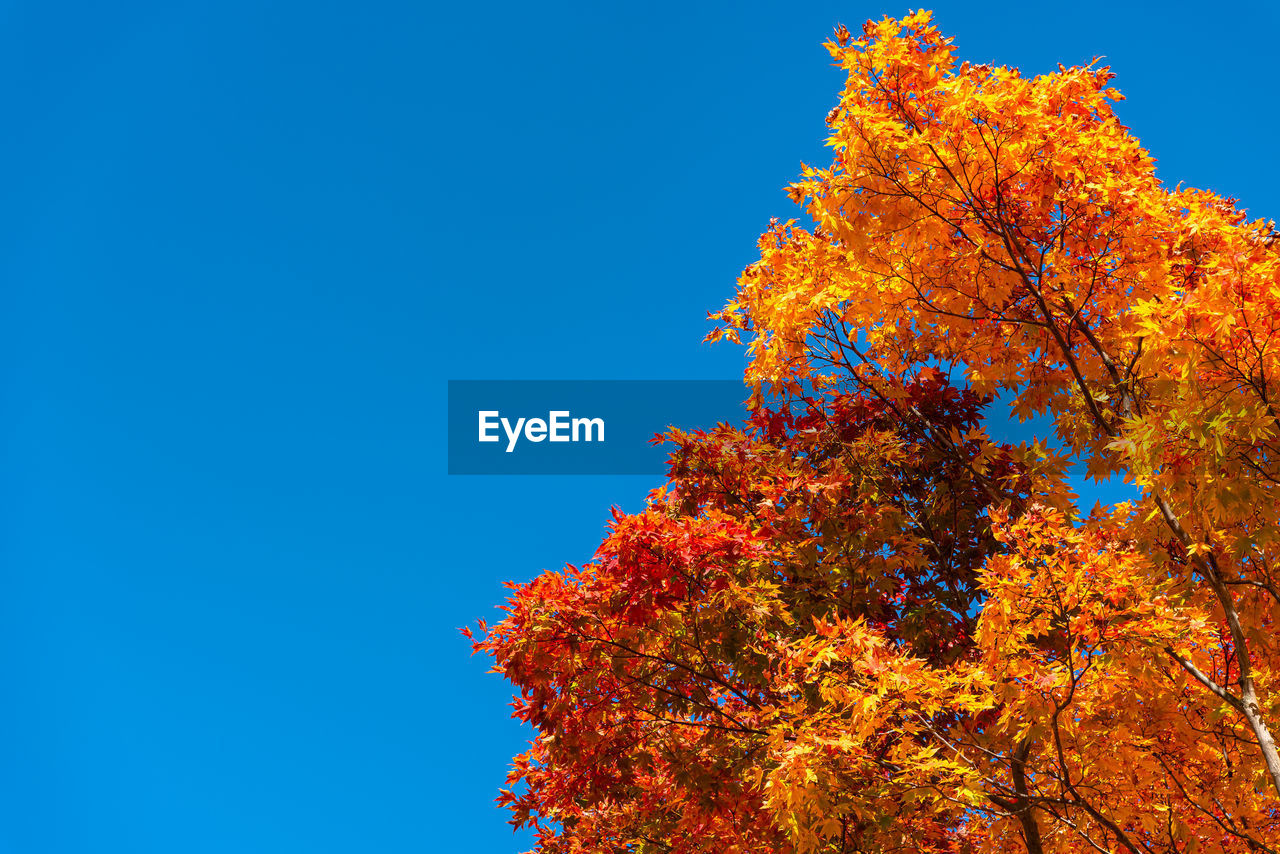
244 245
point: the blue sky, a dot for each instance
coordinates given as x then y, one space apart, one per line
244 245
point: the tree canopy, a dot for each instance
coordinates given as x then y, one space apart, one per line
860 623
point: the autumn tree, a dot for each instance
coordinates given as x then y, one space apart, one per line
858 622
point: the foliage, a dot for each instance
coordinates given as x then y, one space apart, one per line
859 623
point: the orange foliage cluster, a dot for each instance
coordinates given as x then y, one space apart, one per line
859 623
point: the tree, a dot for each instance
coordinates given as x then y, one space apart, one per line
860 624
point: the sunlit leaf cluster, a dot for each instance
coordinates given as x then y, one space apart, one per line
859 623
